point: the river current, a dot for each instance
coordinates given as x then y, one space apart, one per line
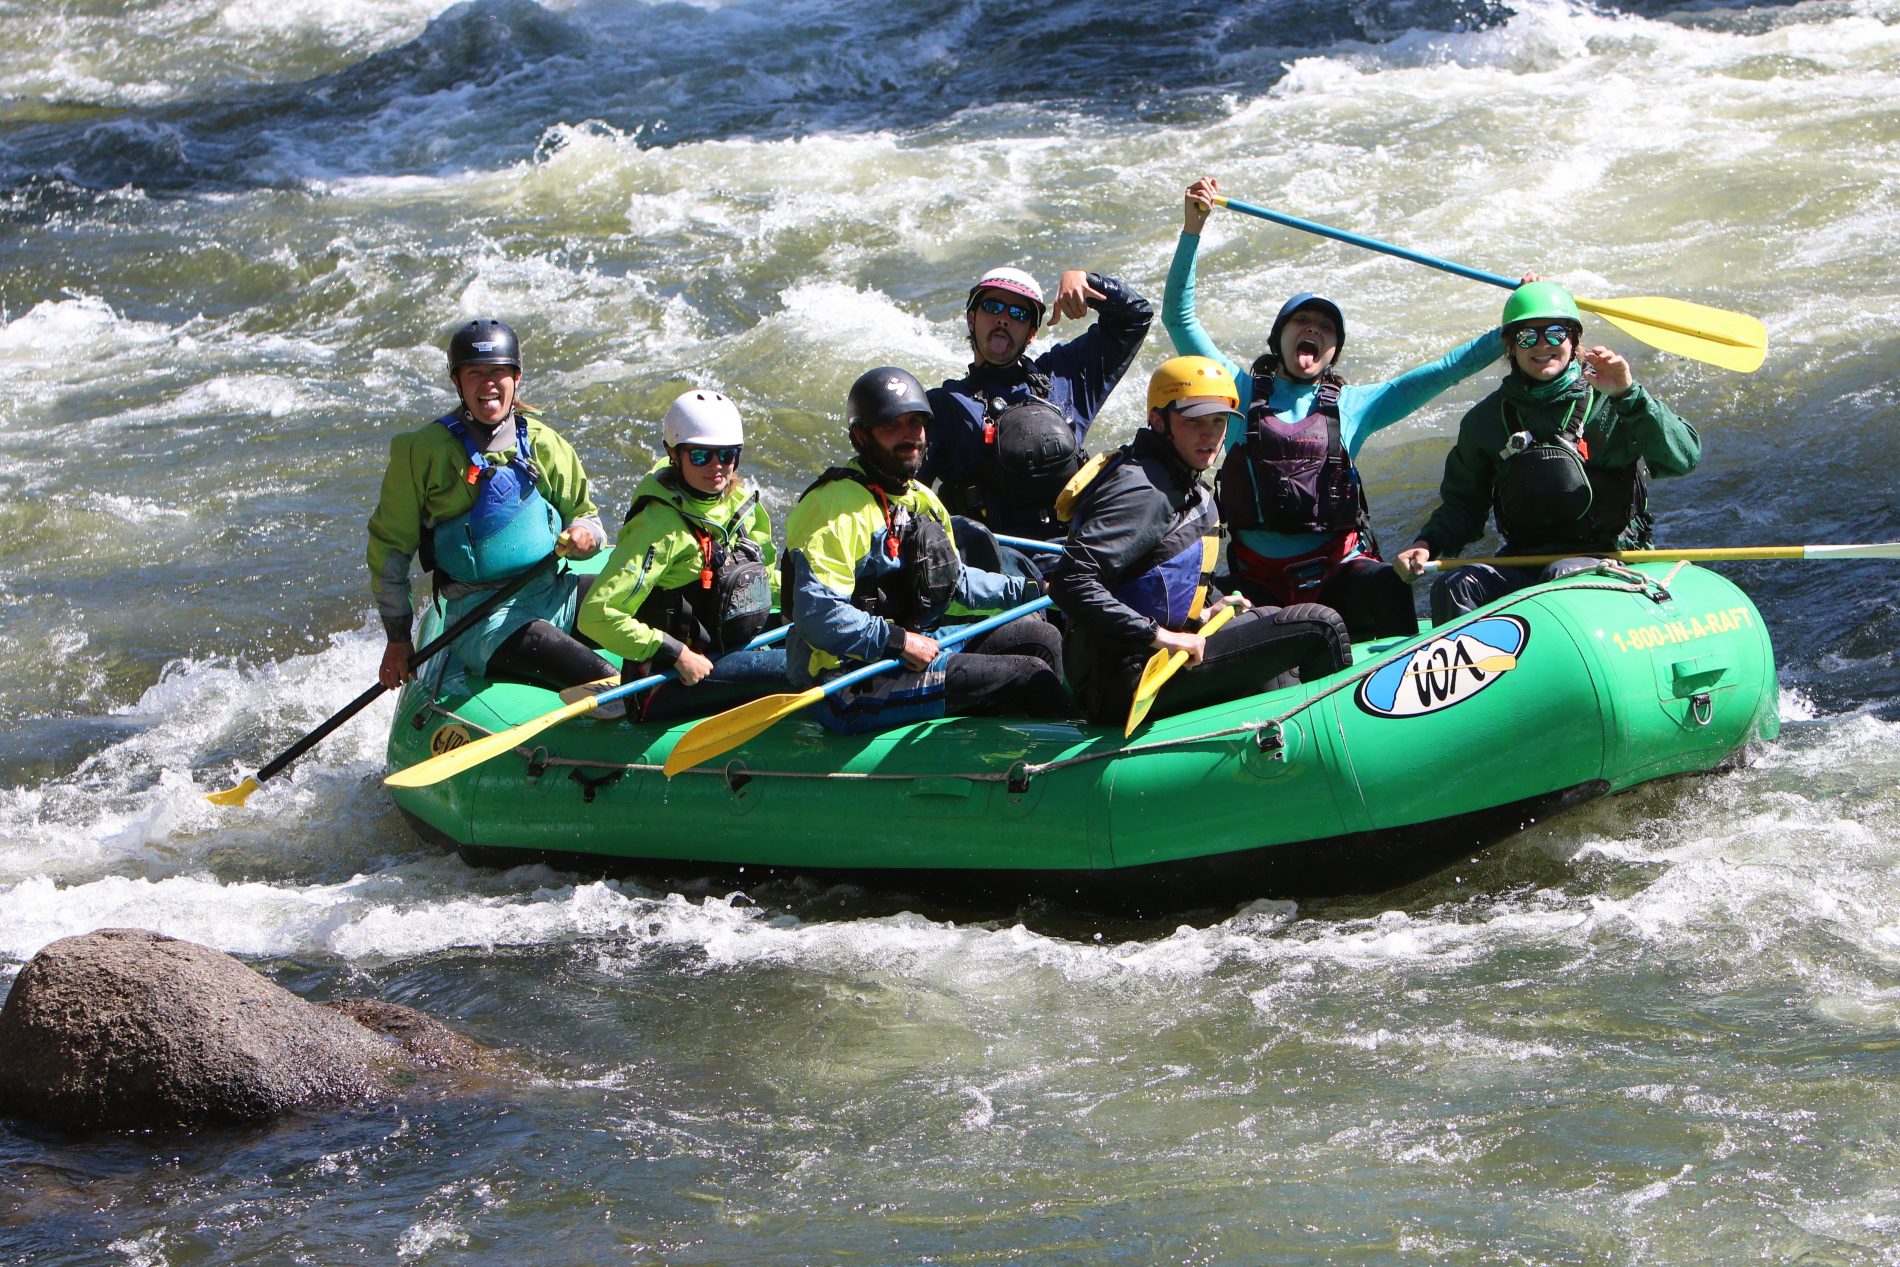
1663 1028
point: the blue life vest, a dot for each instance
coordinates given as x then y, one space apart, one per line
511 526
1170 592
1030 451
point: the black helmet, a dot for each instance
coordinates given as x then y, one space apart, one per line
882 394
484 342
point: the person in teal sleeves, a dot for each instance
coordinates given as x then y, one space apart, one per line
1288 488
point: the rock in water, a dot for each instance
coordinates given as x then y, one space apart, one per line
125 1029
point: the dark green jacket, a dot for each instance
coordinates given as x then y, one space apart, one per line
1619 431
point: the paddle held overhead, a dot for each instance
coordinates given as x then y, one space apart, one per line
1731 340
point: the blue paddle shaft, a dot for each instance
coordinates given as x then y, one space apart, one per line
1371 244
765 639
1029 544
955 638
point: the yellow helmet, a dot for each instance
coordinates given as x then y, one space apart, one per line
1191 376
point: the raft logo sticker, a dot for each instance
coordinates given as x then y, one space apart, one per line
1446 671
447 739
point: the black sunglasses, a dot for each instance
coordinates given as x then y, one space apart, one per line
728 456
1527 336
995 306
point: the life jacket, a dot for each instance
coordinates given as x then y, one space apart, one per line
731 601
510 528
1546 493
915 590
1029 453
1296 578
1169 585
1291 477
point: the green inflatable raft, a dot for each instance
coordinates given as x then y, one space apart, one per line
1422 752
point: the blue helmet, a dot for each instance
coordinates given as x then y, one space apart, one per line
1307 299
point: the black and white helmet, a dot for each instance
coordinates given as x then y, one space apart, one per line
882 394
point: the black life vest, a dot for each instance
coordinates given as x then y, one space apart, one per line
916 586
1029 453
731 602
1546 493
1169 584
1293 477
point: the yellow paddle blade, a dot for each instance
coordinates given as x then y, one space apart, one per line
234 795
1732 340
1161 666
469 755
726 731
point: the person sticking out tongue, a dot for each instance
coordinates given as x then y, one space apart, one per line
1289 488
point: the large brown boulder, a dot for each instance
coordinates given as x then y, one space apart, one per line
126 1029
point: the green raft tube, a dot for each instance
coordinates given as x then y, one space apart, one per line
1424 751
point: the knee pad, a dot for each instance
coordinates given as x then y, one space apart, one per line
1326 626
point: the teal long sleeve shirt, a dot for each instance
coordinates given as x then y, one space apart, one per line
1364 408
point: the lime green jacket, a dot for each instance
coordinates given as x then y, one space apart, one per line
657 551
837 537
426 483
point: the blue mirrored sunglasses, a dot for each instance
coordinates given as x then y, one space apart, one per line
1017 312
699 457
1527 336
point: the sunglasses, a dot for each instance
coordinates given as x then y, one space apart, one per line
1527 336
728 456
995 307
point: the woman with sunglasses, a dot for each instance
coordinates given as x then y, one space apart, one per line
1289 489
1561 452
693 575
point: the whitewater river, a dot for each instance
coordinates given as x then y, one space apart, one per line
234 235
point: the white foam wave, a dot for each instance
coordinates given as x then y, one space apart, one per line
796 347
357 26
54 332
137 804
148 54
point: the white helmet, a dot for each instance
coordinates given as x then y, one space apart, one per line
702 416
1012 281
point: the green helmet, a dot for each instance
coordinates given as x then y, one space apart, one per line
1541 301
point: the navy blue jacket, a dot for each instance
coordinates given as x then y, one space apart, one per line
1081 373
